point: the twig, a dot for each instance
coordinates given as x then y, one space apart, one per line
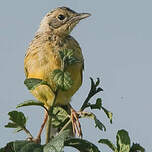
48 127
85 102
93 91
28 133
42 126
48 130
65 126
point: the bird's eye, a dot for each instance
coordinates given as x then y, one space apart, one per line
61 17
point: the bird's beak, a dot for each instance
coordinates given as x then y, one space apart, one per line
80 16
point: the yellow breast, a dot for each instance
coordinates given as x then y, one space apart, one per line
42 59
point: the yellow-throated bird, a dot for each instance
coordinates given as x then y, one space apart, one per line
42 56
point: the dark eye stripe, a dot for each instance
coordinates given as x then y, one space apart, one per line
61 17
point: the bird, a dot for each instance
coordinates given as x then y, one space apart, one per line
42 57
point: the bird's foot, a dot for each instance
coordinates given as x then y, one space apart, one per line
76 126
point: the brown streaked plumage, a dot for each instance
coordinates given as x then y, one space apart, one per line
42 56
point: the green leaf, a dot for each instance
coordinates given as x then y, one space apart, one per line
81 144
109 144
30 103
98 123
18 120
59 116
94 86
93 91
57 143
8 148
136 147
108 113
11 125
123 141
26 146
3 150
31 147
22 146
73 60
18 129
65 53
62 79
19 144
32 83
97 105
67 56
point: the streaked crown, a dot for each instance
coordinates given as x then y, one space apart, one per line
61 21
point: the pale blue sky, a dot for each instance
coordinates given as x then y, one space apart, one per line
117 46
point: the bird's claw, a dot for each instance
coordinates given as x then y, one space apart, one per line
76 126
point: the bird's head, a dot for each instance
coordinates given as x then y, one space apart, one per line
61 21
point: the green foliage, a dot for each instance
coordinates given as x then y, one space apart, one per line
123 143
27 147
30 103
97 105
81 144
8 148
22 146
32 83
59 117
62 79
136 148
98 123
93 91
67 57
109 144
57 143
18 120
108 113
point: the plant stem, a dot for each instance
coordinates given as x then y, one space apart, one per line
94 90
85 102
48 130
63 65
65 126
48 127
28 133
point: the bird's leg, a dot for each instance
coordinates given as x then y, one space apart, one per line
75 122
38 138
43 124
